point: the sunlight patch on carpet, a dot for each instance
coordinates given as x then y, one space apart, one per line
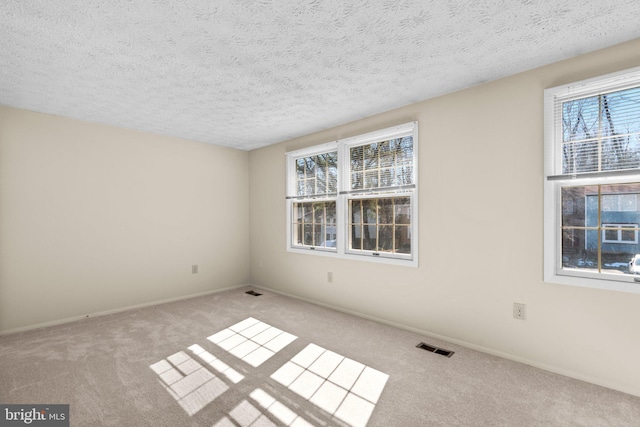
343 387
217 364
248 413
192 385
252 341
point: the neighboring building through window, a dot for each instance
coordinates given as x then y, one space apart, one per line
592 184
356 197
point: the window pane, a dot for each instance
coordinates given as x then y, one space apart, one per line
371 179
308 235
310 166
297 221
387 156
600 227
332 172
579 211
387 177
311 186
404 150
369 237
380 233
370 211
371 156
318 211
601 132
356 159
574 210
620 127
386 211
331 212
385 164
356 211
580 118
321 181
404 175
403 210
317 175
356 236
385 238
357 181
300 168
403 239
581 156
318 235
308 213
314 224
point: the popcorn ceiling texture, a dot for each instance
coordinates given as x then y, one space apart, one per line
246 74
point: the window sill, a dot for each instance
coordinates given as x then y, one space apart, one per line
404 262
595 281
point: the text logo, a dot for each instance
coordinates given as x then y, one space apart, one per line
34 415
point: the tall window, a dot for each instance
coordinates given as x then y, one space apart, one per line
314 199
592 168
356 197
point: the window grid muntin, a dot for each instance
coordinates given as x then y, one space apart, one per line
593 152
310 209
307 168
394 225
370 168
602 229
343 146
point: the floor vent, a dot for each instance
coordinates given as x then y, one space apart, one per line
254 293
436 350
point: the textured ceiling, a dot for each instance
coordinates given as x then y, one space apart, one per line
246 74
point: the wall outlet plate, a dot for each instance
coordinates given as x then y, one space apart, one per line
519 311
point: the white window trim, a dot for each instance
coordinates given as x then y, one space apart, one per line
290 185
553 272
342 211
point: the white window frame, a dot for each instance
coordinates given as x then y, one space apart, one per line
342 201
553 182
291 185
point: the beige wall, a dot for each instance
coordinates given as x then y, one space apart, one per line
95 218
481 248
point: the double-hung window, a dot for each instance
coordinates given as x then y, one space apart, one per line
592 182
356 197
314 189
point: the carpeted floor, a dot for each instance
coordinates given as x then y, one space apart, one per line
232 359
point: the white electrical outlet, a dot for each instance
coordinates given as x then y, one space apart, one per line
194 269
330 277
519 311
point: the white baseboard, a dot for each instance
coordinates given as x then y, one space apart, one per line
116 310
534 363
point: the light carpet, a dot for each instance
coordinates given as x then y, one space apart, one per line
232 359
